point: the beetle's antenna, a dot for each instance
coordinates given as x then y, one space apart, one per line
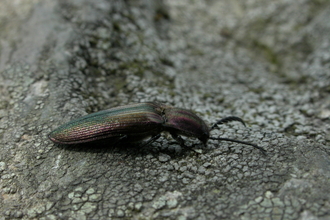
226 120
263 151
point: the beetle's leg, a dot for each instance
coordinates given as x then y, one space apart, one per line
151 140
263 151
180 141
227 119
119 140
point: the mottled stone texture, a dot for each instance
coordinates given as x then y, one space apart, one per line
267 62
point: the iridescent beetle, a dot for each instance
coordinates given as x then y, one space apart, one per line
138 122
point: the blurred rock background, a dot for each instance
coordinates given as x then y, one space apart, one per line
264 61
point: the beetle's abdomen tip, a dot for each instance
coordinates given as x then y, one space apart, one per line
60 137
53 138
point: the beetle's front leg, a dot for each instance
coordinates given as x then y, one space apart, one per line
151 140
180 141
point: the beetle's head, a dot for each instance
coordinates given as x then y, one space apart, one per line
185 122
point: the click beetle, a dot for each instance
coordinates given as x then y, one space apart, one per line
137 122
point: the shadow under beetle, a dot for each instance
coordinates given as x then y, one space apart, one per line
136 122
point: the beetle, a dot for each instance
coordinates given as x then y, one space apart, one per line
137 122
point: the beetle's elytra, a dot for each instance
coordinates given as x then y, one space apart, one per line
137 122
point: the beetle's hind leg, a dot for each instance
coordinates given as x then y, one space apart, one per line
119 140
226 120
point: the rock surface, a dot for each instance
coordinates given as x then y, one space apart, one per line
266 62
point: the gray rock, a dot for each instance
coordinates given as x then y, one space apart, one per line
267 63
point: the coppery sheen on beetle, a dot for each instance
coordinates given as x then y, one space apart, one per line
137 122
